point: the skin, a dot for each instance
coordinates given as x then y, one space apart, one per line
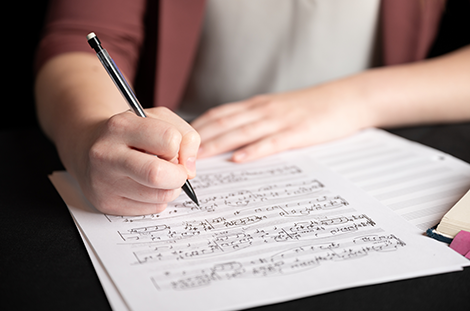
108 149
432 91
86 117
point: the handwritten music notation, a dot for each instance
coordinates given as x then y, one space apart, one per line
227 241
233 219
291 260
291 225
300 208
234 177
295 221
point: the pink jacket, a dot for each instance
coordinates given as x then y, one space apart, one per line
408 28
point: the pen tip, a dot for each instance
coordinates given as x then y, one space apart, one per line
188 189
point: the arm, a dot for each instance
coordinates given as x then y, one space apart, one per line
105 147
431 91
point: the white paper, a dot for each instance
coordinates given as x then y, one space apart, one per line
417 182
268 231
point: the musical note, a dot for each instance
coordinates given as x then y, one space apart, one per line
283 212
283 225
292 260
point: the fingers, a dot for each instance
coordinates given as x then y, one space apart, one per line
154 136
133 191
163 133
299 136
240 136
235 125
229 117
128 207
124 196
218 114
188 152
148 170
272 123
136 165
189 140
271 144
124 206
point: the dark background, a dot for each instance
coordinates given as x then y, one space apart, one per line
21 24
43 262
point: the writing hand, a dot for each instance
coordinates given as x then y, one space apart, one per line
267 124
122 176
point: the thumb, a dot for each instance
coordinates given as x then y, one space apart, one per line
188 152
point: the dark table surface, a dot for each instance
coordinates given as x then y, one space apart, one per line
44 264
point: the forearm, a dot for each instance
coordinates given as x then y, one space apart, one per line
108 150
74 95
432 91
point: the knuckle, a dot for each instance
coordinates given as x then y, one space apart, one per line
117 123
223 122
97 153
154 172
171 138
192 138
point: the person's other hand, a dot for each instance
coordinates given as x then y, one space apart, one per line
267 124
119 172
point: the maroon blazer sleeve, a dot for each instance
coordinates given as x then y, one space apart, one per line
409 28
118 24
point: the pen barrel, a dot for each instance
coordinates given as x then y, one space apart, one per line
121 82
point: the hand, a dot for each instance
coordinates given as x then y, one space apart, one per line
119 173
267 124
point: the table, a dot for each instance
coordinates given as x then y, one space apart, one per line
44 264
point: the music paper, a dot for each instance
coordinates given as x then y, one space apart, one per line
281 228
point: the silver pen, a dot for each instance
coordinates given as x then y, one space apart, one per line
127 92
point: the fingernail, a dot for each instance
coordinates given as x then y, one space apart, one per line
191 165
239 156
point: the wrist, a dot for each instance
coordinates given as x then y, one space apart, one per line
73 143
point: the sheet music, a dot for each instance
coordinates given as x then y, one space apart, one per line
264 230
417 182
